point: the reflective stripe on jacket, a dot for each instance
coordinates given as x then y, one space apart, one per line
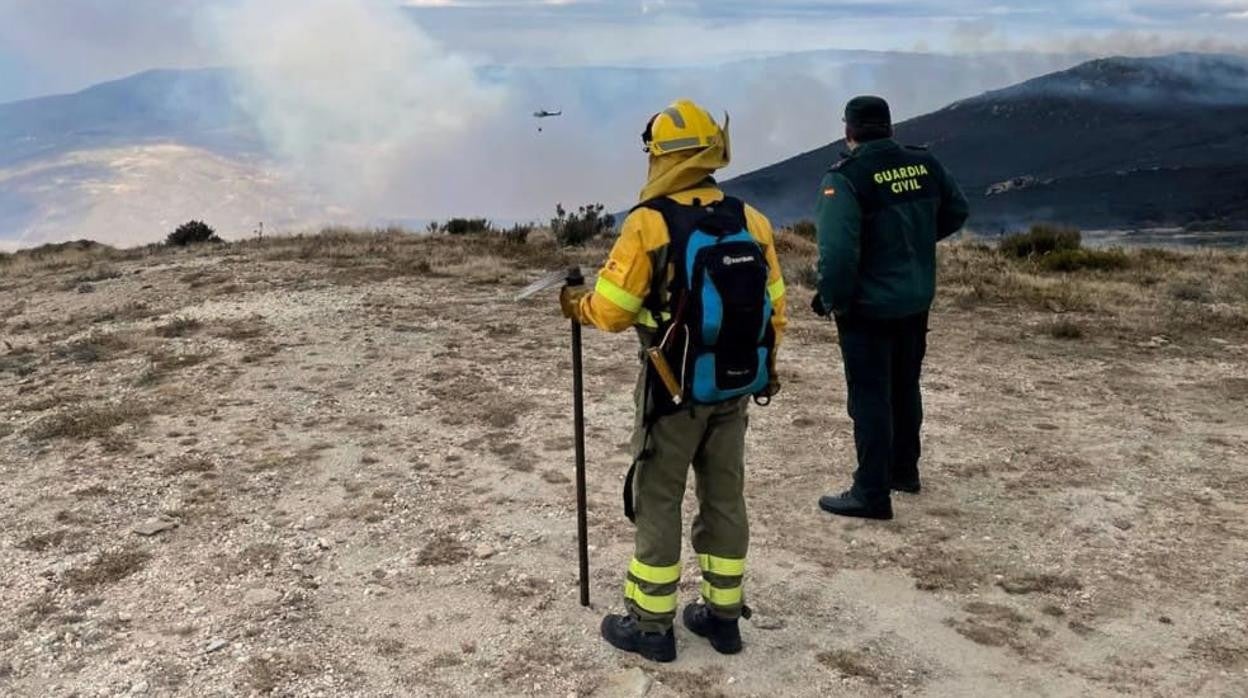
625 280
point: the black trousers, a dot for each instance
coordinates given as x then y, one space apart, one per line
883 363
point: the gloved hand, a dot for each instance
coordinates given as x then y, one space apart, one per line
570 300
816 304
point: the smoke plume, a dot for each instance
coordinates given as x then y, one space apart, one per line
356 100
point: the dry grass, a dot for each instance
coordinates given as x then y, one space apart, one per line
94 348
1190 294
851 663
19 362
109 568
1064 328
178 326
164 363
86 422
241 329
441 550
40 542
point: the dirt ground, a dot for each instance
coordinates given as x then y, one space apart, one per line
362 465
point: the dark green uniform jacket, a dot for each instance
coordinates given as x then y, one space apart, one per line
881 211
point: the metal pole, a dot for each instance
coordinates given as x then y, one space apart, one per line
578 415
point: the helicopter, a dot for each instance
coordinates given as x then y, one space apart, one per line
546 114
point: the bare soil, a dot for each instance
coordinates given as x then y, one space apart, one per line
365 446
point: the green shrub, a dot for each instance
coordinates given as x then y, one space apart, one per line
467 226
805 229
1039 241
576 229
191 233
1068 260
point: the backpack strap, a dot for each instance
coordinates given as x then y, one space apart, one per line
723 217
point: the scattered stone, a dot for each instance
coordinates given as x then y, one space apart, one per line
215 645
1080 629
139 688
86 288
152 527
483 551
631 683
1029 583
323 544
262 597
310 523
767 622
1166 620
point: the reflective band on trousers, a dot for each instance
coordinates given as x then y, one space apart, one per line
722 566
724 598
617 295
654 575
776 290
652 604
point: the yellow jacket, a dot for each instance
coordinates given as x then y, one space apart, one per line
624 281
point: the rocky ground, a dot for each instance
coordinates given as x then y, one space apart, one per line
341 465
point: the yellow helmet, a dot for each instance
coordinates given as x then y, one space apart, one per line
682 126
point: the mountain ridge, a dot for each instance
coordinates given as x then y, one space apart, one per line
1148 153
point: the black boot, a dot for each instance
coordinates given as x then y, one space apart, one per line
849 504
910 485
725 635
622 632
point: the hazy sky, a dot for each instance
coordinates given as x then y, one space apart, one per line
49 46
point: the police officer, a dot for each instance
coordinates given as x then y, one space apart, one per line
881 211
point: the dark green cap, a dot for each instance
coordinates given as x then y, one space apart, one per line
868 111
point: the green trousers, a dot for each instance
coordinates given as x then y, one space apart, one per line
711 438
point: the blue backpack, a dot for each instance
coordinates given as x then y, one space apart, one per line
718 337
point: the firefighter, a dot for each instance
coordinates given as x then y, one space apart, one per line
636 289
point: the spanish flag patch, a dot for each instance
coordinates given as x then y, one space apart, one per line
830 191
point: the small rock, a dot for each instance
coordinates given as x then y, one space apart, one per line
86 288
323 544
215 645
153 526
262 597
763 622
1166 620
483 551
631 683
139 688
